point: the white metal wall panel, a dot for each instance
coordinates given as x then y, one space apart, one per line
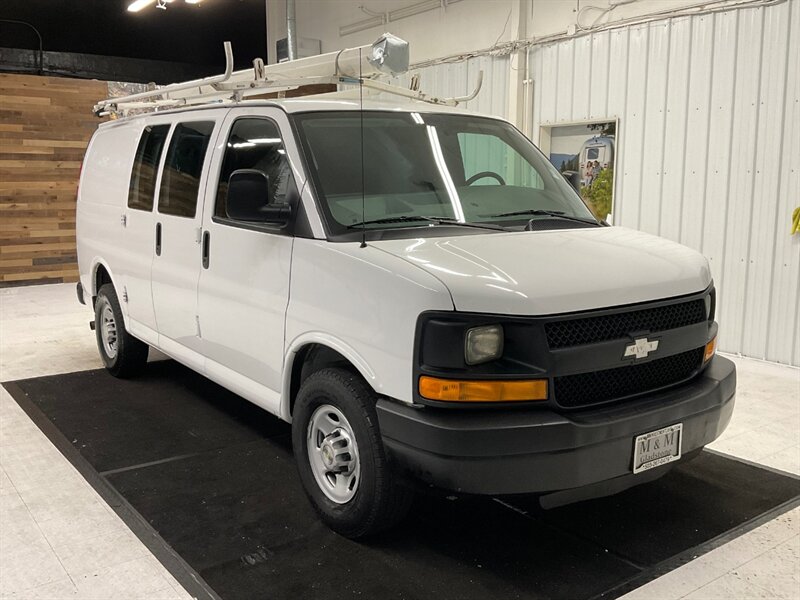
633 128
675 130
459 79
769 145
720 134
696 150
617 75
582 95
709 110
655 111
783 331
549 64
600 55
564 93
619 41
742 201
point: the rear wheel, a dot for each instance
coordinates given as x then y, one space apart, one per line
340 456
122 354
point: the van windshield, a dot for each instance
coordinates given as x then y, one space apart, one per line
454 167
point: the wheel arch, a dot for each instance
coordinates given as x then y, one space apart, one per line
311 353
101 274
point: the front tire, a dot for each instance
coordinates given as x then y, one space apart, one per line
340 456
123 355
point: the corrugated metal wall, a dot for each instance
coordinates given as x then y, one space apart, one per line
458 79
708 152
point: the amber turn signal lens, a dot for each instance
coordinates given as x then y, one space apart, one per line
711 347
454 390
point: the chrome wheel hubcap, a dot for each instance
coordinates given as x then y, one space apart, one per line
333 454
108 331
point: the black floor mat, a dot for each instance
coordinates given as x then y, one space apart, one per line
214 477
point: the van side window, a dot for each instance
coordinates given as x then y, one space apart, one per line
143 177
180 181
255 144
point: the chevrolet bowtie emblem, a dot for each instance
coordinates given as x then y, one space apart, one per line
640 348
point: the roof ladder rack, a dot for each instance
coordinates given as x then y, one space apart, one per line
353 66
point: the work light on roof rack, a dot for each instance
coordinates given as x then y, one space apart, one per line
351 67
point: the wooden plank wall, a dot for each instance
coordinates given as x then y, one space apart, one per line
45 124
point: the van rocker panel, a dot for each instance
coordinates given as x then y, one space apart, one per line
536 450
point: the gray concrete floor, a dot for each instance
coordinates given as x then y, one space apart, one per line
58 538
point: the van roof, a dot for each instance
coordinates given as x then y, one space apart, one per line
318 104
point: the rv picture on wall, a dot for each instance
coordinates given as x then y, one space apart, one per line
584 154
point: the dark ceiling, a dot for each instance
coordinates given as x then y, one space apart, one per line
184 33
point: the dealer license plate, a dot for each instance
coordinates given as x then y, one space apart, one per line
657 448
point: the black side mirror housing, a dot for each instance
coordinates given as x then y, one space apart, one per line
248 199
573 178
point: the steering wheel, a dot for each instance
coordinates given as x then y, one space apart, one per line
483 174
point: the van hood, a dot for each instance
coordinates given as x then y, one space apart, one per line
552 272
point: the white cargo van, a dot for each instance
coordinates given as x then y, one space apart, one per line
450 313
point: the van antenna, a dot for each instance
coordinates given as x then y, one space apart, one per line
361 115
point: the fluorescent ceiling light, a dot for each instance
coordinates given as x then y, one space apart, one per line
361 25
138 5
265 140
414 9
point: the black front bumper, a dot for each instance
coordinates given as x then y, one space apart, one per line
537 450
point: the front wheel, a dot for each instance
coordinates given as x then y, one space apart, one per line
340 456
122 354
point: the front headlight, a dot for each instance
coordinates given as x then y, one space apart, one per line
482 344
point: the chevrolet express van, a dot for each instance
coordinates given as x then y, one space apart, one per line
446 310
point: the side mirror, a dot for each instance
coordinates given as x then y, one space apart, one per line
573 178
248 199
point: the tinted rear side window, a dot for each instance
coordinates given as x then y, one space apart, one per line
143 177
180 181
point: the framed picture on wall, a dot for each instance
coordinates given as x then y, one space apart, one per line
584 153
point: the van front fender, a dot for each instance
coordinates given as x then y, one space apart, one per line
322 339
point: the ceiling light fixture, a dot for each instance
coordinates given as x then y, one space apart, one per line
138 5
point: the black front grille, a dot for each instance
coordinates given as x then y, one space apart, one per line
586 389
615 326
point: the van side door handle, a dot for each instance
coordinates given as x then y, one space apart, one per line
158 239
206 248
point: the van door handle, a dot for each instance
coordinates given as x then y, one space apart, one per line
206 248
158 239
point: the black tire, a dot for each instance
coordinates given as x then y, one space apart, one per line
131 354
380 499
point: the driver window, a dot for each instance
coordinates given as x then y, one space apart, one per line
483 153
255 143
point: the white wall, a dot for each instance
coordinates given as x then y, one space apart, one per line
456 26
459 79
464 25
709 120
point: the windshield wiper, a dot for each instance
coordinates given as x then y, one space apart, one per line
550 213
434 220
